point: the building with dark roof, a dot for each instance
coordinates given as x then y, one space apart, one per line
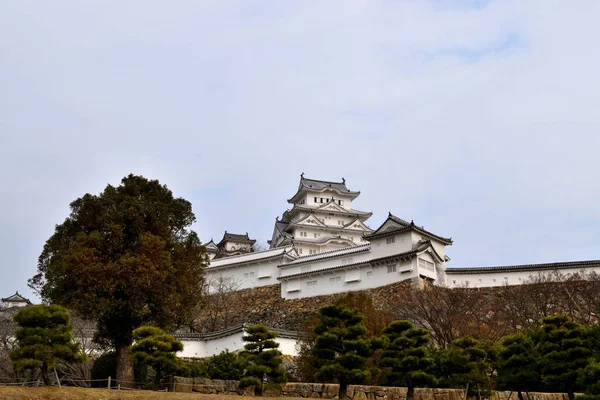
232 244
321 218
16 300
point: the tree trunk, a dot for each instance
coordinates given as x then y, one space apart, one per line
571 395
343 389
124 365
520 394
45 376
410 392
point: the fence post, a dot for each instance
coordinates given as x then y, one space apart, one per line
109 383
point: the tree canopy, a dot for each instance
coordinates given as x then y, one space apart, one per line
263 360
157 349
125 258
44 337
564 353
406 356
518 364
340 350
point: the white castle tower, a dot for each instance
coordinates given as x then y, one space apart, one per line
321 218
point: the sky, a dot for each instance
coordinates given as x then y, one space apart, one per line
476 119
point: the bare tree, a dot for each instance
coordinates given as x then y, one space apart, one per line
79 374
447 313
7 343
260 246
216 310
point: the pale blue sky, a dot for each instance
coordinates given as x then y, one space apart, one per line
476 119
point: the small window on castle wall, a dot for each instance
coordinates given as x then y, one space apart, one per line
232 247
316 200
390 240
369 274
299 251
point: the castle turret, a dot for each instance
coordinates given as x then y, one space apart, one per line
321 218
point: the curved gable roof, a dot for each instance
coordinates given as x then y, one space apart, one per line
319 186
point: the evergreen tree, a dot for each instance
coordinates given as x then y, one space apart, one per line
262 359
518 364
590 380
125 258
226 366
44 336
155 348
406 355
340 350
463 364
564 352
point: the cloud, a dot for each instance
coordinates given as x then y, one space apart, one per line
476 119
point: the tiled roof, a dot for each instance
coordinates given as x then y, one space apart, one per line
405 226
327 255
233 330
16 298
319 185
255 256
351 211
407 254
525 267
235 237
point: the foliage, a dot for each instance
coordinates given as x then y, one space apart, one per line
225 365
44 336
564 353
590 380
340 350
463 365
406 356
262 359
106 365
156 348
125 258
518 364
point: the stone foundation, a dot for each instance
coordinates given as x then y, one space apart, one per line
330 391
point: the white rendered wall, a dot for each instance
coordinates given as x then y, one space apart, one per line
200 348
490 279
315 265
381 248
324 285
247 275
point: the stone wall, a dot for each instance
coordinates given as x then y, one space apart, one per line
264 305
330 391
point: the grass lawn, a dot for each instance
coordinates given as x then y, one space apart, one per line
72 393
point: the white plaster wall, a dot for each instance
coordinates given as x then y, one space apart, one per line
238 273
423 271
291 269
199 348
326 194
380 277
402 243
490 279
206 348
229 246
439 247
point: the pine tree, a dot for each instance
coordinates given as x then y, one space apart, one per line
44 336
564 353
518 364
463 364
406 356
156 348
340 350
225 365
263 360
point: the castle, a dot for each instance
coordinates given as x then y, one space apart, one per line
321 246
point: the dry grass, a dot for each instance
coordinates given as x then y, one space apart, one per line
71 393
